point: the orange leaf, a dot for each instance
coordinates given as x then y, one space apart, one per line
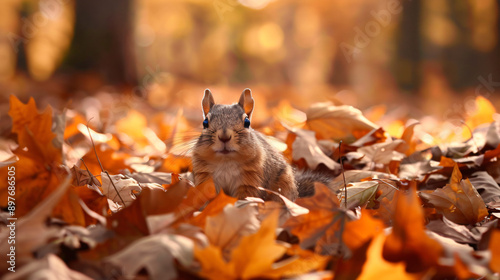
33 129
213 208
408 241
323 213
376 267
253 257
494 248
358 232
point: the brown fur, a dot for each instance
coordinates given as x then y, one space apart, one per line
249 160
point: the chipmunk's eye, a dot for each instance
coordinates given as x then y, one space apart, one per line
246 123
205 123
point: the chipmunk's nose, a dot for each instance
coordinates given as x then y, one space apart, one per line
224 138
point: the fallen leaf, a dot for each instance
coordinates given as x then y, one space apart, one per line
50 267
408 241
227 228
458 201
324 212
215 207
306 147
156 254
376 267
335 122
494 248
485 185
120 190
358 194
384 153
253 257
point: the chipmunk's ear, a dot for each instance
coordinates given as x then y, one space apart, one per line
246 102
208 102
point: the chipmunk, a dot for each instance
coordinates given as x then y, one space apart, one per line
238 158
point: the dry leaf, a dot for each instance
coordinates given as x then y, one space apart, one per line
253 257
458 201
334 122
227 228
378 268
358 194
51 267
306 146
494 248
156 254
120 190
408 241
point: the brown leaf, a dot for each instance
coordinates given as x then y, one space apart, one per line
50 267
384 153
458 201
306 147
156 254
324 212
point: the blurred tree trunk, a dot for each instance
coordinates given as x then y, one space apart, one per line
409 47
103 41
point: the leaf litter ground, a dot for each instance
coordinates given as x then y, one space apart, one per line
100 196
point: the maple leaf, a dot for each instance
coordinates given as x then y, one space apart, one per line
324 213
408 241
227 228
458 201
333 122
376 267
33 129
254 257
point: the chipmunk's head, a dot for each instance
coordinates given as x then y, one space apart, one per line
226 128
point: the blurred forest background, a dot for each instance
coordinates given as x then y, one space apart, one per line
427 55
